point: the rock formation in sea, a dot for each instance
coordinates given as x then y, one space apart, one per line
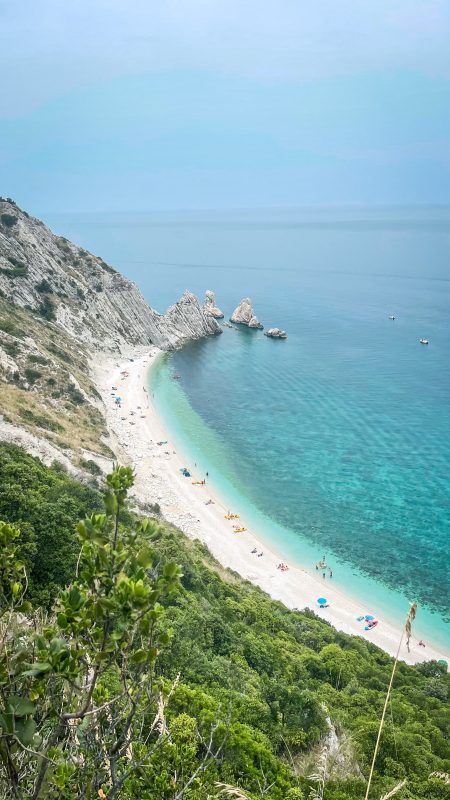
210 305
276 333
244 314
80 293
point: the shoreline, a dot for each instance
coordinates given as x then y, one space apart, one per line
159 480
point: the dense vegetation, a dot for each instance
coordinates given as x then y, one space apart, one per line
243 691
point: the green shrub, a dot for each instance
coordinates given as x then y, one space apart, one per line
8 220
37 360
90 466
40 420
46 309
43 287
8 326
32 375
62 354
17 270
11 348
74 394
107 268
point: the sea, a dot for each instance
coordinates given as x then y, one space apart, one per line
334 442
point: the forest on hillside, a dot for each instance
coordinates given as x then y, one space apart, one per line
134 666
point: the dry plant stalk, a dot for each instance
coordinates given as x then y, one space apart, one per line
406 630
320 776
394 790
231 791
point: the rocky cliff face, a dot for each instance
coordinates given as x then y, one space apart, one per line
60 305
80 293
210 305
244 314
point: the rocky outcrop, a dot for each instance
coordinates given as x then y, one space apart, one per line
77 291
187 319
210 305
276 333
244 314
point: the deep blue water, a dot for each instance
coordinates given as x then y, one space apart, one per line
341 434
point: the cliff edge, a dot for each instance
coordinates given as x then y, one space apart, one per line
82 294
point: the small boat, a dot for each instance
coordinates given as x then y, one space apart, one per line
238 530
391 317
176 377
424 341
231 516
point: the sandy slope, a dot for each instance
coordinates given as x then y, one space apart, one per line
182 503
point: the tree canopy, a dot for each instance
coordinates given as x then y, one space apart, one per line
133 665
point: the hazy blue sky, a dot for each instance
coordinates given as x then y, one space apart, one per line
150 104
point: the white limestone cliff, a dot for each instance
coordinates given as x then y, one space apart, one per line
79 292
244 314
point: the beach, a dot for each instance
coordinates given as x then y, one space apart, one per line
136 429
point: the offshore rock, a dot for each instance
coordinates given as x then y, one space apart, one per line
244 314
72 289
276 333
210 305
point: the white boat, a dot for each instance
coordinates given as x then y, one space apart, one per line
423 341
391 317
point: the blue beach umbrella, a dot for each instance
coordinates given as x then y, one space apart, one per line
321 601
369 617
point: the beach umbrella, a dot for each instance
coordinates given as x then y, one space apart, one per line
369 617
321 601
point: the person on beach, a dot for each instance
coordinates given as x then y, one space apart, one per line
323 575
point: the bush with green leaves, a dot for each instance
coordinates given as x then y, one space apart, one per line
8 220
46 309
80 710
90 466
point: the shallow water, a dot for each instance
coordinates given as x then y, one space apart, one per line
339 437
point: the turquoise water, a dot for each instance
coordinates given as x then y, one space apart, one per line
337 440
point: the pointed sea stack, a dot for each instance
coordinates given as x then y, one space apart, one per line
244 315
210 305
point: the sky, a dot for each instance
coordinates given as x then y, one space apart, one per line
197 104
